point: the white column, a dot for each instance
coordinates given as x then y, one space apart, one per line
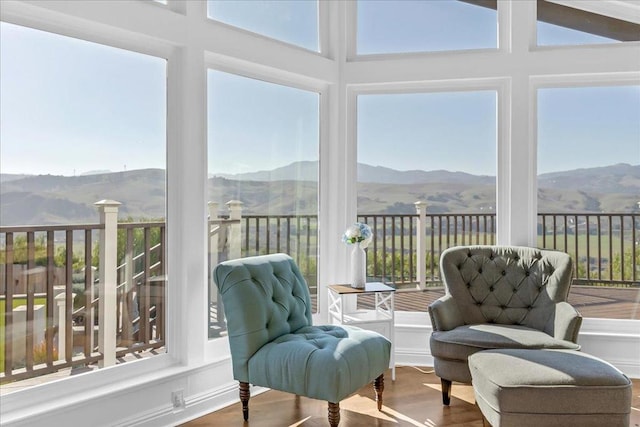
107 290
421 244
335 196
517 171
187 307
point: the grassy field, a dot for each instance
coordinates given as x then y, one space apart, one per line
599 247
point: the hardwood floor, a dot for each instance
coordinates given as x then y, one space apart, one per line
414 399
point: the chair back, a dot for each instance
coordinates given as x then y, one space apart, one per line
510 285
264 297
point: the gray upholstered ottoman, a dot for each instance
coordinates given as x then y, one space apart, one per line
515 387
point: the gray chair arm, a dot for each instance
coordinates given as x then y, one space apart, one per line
566 322
445 314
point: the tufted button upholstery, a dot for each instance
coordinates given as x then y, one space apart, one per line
507 281
518 293
272 339
299 362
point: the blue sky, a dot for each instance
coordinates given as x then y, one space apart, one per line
294 21
254 125
426 132
69 106
429 26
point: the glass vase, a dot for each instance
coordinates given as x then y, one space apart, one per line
358 267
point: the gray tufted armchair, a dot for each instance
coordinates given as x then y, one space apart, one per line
499 297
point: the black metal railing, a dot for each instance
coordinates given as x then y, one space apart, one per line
605 247
296 235
392 252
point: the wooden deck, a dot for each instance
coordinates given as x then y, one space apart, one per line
610 303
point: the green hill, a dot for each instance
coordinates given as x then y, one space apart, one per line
47 199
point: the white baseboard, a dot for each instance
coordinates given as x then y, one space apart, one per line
195 406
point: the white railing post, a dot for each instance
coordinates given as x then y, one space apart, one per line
214 231
90 314
108 276
60 320
235 237
129 310
421 244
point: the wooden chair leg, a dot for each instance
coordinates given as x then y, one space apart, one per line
245 393
334 414
378 386
446 391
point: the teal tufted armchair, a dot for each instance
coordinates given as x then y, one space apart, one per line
499 297
274 343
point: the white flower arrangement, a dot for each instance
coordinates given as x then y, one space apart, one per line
358 233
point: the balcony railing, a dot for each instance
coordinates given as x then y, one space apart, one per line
605 247
50 310
50 292
406 249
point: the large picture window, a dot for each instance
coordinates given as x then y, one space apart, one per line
263 175
83 126
588 186
447 168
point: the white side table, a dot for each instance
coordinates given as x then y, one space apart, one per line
380 319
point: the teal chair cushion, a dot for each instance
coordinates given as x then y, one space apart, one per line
322 362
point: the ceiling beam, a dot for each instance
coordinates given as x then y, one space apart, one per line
578 19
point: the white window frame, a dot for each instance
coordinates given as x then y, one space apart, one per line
192 43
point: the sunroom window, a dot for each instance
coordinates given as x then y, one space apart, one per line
290 21
588 206
263 141
434 152
82 205
402 26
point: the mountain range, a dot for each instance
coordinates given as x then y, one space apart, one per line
51 199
